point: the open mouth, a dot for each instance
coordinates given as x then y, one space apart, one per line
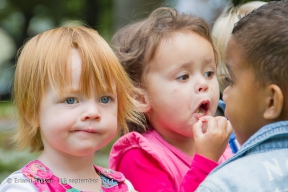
203 107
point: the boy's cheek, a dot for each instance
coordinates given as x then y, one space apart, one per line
225 94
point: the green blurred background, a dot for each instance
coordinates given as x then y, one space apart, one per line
23 19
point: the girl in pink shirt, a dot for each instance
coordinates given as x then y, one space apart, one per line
172 59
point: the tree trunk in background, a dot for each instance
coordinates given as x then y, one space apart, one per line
126 11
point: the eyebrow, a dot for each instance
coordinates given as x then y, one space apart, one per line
187 65
181 66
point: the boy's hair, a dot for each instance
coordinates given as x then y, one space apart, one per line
136 44
263 38
222 31
43 61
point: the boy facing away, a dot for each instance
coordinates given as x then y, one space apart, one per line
257 103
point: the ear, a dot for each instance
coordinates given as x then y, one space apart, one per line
144 104
274 102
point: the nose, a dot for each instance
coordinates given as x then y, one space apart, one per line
91 111
202 85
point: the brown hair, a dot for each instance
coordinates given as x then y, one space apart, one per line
263 37
136 44
43 61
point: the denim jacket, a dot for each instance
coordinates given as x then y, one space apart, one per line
261 164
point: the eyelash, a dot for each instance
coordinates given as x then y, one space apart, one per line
66 99
110 99
228 80
181 77
211 73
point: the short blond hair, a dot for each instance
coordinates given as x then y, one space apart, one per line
43 61
222 31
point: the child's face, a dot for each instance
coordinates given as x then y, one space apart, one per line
77 125
181 84
243 96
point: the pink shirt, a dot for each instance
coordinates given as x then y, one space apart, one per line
152 164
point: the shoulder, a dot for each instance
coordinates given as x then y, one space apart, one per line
36 170
268 169
130 141
110 174
17 182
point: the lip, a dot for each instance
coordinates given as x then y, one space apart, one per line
87 130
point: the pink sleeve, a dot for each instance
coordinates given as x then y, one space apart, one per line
200 168
145 173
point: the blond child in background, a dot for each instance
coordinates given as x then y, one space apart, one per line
172 59
256 98
71 96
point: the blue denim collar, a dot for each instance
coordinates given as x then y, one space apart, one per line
267 132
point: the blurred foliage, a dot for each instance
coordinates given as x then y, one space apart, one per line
6 110
18 17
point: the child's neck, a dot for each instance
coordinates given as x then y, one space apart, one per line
65 163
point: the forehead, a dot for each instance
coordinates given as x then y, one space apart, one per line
236 61
234 56
80 75
182 47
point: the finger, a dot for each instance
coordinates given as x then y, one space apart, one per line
197 128
222 124
211 124
220 117
207 123
206 118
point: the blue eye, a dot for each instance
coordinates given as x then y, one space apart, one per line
105 99
209 74
183 77
228 80
70 101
